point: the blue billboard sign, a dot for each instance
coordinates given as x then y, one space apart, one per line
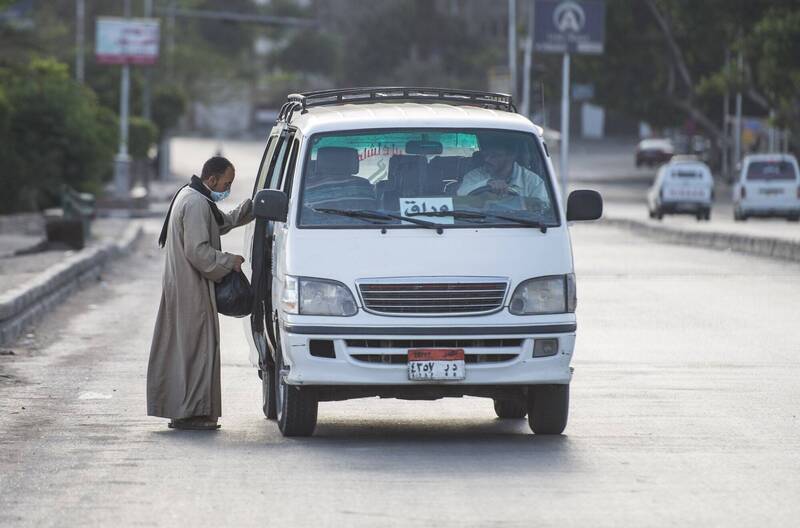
570 26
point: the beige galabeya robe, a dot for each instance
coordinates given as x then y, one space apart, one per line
183 375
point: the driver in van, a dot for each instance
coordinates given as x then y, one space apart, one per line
501 174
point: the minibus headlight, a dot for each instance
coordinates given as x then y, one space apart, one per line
544 295
317 297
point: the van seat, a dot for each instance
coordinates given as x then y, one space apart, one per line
407 174
443 170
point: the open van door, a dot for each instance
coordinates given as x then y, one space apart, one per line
260 243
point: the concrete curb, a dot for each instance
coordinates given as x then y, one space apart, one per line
32 247
775 248
30 301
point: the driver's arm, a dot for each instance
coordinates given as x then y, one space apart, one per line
474 179
535 187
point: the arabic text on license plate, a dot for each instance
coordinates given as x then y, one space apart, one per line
436 364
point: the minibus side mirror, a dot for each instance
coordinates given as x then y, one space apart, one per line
270 204
584 205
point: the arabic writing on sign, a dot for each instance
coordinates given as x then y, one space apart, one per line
379 150
411 206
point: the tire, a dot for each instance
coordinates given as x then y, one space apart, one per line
707 216
793 218
658 215
296 407
268 396
548 408
510 409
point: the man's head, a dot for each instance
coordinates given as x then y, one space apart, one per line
498 155
218 174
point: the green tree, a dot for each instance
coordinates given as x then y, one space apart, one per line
775 52
142 135
411 42
169 104
56 133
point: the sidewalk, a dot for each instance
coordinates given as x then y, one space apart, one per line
30 285
765 237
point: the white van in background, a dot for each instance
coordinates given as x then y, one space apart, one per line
682 187
769 185
391 260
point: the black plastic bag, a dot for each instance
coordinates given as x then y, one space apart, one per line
234 295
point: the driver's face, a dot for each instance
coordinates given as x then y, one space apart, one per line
499 161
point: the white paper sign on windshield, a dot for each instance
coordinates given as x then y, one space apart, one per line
411 206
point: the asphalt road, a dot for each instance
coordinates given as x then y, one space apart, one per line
684 412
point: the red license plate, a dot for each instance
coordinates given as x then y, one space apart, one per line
436 364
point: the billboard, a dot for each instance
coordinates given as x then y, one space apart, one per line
126 40
570 26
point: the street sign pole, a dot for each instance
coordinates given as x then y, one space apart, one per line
564 163
125 41
567 27
122 162
80 18
527 104
148 72
512 45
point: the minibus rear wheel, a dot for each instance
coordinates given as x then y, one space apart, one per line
548 408
509 409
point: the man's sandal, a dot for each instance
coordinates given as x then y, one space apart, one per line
194 424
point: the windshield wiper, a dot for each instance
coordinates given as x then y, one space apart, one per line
361 215
366 214
466 215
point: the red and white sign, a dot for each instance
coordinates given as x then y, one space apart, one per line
126 40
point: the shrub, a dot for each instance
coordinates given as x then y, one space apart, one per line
142 134
169 103
57 133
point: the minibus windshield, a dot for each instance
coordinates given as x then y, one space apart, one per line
399 177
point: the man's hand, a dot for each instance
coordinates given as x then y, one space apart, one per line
498 186
237 262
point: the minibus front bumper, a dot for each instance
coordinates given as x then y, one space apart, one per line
377 356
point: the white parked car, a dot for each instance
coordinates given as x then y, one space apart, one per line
654 152
682 187
413 244
769 185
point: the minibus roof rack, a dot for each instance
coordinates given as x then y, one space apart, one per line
306 100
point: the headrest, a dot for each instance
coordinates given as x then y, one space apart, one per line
336 160
407 162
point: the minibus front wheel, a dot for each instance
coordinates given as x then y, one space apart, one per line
296 406
548 408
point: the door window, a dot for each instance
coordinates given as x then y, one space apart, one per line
263 170
286 181
279 159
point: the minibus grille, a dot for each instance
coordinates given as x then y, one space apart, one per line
433 343
402 359
433 298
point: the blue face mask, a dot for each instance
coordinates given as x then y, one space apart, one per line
219 196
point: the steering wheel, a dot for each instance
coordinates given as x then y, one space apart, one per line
487 189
